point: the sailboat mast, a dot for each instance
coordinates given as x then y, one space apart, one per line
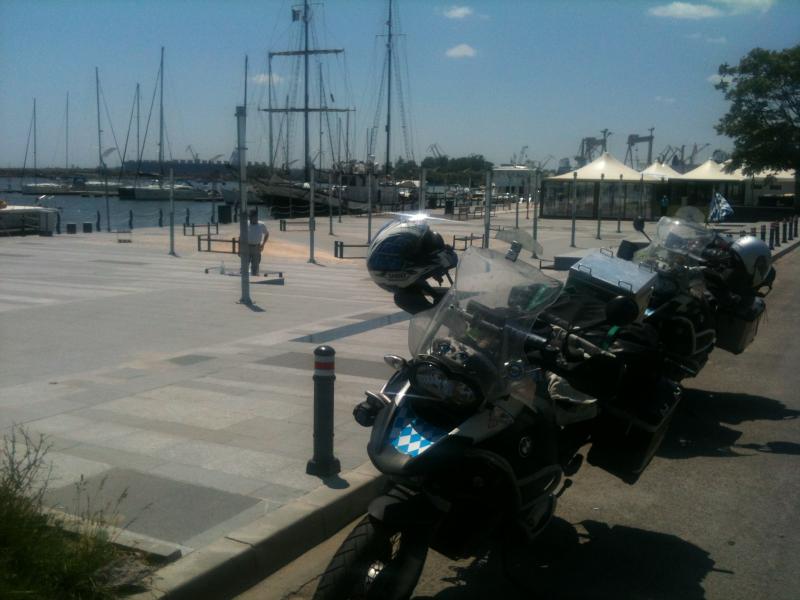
321 104
138 139
269 106
161 118
389 92
66 159
305 88
99 130
35 176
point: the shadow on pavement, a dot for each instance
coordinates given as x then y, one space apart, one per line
604 562
699 426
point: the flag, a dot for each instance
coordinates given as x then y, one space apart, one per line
719 209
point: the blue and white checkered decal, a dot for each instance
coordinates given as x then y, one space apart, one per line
411 435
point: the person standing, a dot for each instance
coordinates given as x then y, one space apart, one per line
257 236
664 205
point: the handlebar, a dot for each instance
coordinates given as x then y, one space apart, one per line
478 315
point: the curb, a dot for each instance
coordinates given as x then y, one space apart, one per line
785 251
241 559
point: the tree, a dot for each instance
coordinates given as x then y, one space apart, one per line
764 117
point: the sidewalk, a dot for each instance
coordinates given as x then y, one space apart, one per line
149 378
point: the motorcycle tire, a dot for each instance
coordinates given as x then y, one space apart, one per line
357 564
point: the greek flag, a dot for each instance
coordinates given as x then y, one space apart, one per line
719 209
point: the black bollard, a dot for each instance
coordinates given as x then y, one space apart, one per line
130 219
160 217
796 219
771 237
324 463
763 233
783 229
187 216
58 222
98 221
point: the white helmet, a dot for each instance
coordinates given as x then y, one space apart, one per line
754 257
404 253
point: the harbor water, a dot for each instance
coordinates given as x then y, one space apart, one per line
145 213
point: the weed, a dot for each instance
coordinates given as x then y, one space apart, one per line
39 557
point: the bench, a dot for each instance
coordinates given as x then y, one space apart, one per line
466 240
206 225
232 242
283 224
338 249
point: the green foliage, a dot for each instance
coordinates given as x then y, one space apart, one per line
38 557
405 169
764 116
466 170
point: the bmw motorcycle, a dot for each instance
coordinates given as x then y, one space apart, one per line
510 375
708 290
513 372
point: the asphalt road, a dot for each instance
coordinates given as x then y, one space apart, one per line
714 516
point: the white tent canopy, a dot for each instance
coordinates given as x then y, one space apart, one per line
605 168
658 169
711 171
785 175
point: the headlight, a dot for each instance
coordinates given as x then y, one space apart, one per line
434 380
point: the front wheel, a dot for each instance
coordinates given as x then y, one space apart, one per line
373 563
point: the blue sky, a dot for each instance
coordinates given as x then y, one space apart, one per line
485 77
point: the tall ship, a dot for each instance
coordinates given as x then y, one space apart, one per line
348 185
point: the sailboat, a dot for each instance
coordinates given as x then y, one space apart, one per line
156 190
354 180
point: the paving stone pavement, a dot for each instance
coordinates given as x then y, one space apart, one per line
183 412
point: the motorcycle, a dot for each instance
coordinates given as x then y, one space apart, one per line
704 297
513 373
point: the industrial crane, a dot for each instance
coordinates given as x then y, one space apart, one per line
521 159
191 151
634 139
586 153
436 150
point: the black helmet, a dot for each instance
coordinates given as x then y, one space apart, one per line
406 253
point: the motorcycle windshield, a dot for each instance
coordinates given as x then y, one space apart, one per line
479 328
676 242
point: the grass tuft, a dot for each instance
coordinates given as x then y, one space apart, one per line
39 558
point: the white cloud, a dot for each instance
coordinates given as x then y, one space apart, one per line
722 8
461 51
457 12
685 10
263 79
664 100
